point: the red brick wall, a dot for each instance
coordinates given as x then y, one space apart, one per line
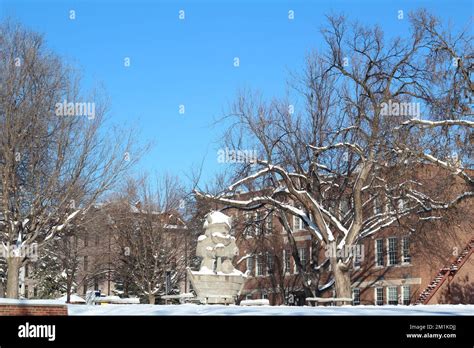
12 309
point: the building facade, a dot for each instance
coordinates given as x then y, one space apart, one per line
398 265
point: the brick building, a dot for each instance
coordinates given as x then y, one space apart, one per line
402 265
98 249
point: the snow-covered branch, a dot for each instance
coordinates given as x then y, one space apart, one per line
431 124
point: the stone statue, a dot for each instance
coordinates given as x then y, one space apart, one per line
216 246
217 281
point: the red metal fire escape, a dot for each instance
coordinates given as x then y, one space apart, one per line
445 273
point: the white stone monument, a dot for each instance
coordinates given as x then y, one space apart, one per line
217 281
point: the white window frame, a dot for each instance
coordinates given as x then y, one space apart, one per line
389 263
251 264
258 227
357 257
405 257
304 264
287 261
298 224
377 254
303 256
249 228
354 291
376 299
377 206
403 290
259 263
388 294
270 261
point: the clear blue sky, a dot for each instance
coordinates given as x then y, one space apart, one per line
190 61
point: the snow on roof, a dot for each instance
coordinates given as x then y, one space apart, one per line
13 301
73 299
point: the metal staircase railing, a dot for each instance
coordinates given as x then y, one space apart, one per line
445 272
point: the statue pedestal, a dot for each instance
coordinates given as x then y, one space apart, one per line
217 288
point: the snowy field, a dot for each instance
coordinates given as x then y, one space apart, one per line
192 309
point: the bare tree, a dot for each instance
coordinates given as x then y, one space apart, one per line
151 235
56 270
55 160
349 163
258 238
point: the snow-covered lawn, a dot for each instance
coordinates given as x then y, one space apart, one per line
192 309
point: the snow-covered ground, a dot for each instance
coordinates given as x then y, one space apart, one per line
193 309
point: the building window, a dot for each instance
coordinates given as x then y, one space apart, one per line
392 251
355 296
248 225
379 296
250 264
26 270
248 297
303 259
86 263
392 295
269 263
86 240
357 257
35 291
406 294
379 252
406 250
377 206
259 262
297 223
302 255
84 289
264 296
269 224
286 255
258 223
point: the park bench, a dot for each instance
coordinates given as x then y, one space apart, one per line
332 300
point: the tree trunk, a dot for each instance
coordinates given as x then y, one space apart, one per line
342 280
125 289
151 298
13 264
68 292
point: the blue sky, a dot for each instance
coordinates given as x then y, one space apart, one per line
190 62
